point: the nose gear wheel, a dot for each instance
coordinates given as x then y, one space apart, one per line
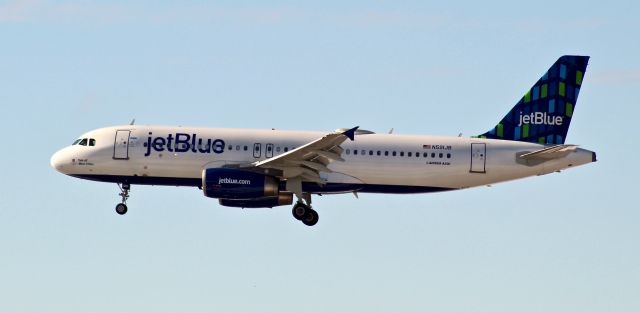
121 208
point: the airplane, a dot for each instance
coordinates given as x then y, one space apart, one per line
248 168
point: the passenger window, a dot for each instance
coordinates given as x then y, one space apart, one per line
230 147
246 148
440 155
386 153
424 155
433 154
238 148
408 153
348 151
370 152
401 153
448 155
286 149
393 153
277 148
83 142
92 142
355 152
363 152
379 153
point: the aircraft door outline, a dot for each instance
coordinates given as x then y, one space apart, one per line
478 158
121 145
257 150
269 150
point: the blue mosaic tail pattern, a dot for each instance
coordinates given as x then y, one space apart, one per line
544 113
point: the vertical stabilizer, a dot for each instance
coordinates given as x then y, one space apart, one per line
544 113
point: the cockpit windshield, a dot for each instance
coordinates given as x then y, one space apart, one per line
84 142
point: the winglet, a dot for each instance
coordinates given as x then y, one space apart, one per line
351 133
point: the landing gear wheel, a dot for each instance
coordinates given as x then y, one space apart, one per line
311 217
121 208
300 210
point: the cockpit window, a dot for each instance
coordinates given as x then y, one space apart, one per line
84 142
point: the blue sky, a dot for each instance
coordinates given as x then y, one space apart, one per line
557 243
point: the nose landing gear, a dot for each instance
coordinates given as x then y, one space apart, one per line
121 208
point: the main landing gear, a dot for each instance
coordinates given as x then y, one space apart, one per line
121 208
302 210
305 214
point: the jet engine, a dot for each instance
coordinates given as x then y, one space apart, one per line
235 184
284 198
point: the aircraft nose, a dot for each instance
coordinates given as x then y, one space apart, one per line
57 161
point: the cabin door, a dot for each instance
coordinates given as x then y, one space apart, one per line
121 145
478 157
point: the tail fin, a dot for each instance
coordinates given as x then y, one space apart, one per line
544 113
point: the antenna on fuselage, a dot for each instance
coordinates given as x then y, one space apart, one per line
133 121
391 131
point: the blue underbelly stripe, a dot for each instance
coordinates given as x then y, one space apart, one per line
306 186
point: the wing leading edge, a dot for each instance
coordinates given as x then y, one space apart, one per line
308 161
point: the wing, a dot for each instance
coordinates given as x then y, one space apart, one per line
307 161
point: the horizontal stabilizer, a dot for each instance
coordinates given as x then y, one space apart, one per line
553 152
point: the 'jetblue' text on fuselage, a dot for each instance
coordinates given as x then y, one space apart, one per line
181 142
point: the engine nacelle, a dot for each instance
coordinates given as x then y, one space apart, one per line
227 183
284 198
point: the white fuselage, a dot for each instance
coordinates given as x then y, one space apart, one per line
162 155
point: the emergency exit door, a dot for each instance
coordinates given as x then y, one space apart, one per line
269 152
121 145
257 150
478 157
